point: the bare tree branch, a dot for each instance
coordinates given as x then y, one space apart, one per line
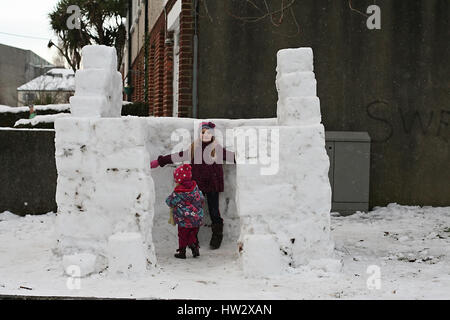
291 10
254 5
206 10
356 10
266 14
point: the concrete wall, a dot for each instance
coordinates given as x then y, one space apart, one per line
27 171
391 82
17 67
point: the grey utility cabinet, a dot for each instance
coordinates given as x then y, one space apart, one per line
349 173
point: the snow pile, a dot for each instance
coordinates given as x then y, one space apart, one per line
282 173
98 85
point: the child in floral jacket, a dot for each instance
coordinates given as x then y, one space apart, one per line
187 202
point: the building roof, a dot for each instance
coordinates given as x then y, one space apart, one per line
57 79
43 61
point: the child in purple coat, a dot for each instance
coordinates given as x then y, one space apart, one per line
208 173
187 202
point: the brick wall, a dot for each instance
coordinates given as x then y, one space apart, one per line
137 76
160 66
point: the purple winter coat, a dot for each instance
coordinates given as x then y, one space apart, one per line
209 177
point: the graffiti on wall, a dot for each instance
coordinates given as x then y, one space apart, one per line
433 122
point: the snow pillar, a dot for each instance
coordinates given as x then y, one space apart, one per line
104 185
98 86
283 187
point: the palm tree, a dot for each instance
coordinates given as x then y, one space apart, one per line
100 22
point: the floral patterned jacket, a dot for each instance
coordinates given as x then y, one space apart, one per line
187 206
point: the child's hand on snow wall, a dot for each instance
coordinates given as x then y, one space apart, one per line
154 164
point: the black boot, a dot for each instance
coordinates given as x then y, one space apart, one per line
217 236
195 251
181 253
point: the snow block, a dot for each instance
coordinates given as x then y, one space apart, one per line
72 131
117 94
99 57
82 230
294 60
261 256
296 84
122 192
75 191
122 132
92 82
89 106
126 255
76 159
136 158
299 111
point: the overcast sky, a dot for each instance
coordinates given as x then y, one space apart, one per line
27 18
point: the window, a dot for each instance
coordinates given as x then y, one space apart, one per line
30 97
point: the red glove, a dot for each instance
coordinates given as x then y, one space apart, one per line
154 164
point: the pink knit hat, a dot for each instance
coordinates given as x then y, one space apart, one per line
207 125
183 173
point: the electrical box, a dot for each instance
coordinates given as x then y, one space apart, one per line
349 154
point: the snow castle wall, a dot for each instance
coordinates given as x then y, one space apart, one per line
292 203
104 185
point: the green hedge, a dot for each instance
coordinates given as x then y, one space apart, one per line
139 109
8 119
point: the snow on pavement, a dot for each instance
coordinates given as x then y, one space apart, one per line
409 244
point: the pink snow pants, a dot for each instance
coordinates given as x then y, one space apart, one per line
187 236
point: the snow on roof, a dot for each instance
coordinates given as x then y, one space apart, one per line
56 79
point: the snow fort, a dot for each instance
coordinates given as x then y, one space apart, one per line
111 206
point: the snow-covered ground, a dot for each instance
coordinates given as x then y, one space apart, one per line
409 244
